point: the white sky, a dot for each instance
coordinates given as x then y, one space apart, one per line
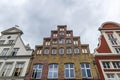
38 17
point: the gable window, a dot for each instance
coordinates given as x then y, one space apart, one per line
7 69
47 43
10 41
69 71
76 50
53 71
14 52
54 42
84 50
110 76
46 51
69 51
61 41
110 36
54 51
61 29
61 51
54 35
68 34
117 50
86 71
68 41
61 33
116 64
114 42
106 65
75 42
2 42
37 71
39 51
18 69
5 51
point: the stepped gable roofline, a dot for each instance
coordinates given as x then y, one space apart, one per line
12 30
109 26
61 26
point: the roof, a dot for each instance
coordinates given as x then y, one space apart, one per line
12 30
110 26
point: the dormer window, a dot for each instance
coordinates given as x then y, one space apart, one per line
54 35
10 41
2 42
61 29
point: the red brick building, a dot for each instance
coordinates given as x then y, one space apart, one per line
62 56
107 55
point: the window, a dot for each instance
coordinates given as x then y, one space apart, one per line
14 52
10 41
75 42
54 42
61 29
39 51
46 51
116 64
6 69
47 43
62 41
86 71
84 51
2 42
68 41
53 71
68 34
5 51
76 50
61 51
69 51
69 71
54 35
114 42
106 65
117 50
61 33
18 69
37 71
110 76
54 51
110 36
118 76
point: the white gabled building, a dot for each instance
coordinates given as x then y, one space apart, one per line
14 55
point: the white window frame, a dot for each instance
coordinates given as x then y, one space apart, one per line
69 50
69 68
75 42
54 51
7 68
106 65
76 50
52 71
117 49
46 51
61 41
2 42
5 52
84 50
11 42
39 51
37 69
110 36
86 68
61 50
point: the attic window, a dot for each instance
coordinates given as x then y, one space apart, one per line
9 37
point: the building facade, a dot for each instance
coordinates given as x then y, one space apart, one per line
62 56
107 54
14 55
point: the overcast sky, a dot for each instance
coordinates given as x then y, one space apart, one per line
37 18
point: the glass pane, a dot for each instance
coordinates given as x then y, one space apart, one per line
82 65
40 66
38 75
55 65
83 73
55 75
66 73
66 65
89 73
49 74
71 73
51 66
87 65
71 66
